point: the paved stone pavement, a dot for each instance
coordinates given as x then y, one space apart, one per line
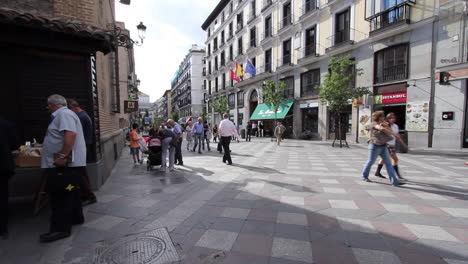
301 202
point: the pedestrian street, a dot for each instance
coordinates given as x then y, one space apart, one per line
301 202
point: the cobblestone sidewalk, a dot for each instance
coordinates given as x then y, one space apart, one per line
301 202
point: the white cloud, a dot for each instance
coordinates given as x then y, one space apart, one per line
172 27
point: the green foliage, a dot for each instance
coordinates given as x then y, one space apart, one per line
203 115
175 116
273 94
337 88
220 105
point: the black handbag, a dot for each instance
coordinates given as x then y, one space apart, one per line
62 179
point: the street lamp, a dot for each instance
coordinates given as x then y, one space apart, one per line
120 39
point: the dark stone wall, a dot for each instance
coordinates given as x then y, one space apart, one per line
37 7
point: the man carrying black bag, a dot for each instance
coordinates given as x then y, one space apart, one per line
64 152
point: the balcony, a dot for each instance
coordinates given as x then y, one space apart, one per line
390 18
285 61
285 22
343 38
392 73
266 4
253 43
239 27
308 9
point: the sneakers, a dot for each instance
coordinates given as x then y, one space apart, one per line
162 169
171 169
366 180
399 184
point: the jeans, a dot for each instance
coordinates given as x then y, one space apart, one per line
207 143
225 141
382 151
198 142
166 145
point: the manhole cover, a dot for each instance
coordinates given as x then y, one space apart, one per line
154 247
138 250
177 180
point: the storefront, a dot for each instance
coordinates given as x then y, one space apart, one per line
392 99
266 114
310 117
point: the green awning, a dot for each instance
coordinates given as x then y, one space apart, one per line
264 111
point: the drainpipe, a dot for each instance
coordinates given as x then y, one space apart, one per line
435 38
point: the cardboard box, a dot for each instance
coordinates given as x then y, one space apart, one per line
27 161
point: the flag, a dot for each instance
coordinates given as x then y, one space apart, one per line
234 76
250 68
239 71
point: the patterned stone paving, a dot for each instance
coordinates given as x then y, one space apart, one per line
301 202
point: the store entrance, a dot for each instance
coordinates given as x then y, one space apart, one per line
398 109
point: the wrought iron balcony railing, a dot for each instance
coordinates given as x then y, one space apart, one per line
391 73
397 15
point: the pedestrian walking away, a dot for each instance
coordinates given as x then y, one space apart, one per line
261 129
63 153
135 144
198 132
177 129
215 133
248 132
8 143
278 133
169 143
391 119
255 129
189 134
87 194
206 135
380 134
227 129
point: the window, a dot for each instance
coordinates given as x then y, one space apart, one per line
287 19
216 63
223 81
240 99
287 52
310 40
253 4
209 87
391 64
216 84
240 21
230 30
209 49
209 67
310 80
232 101
222 37
268 28
253 37
222 17
209 32
240 48
231 7
310 5
215 44
268 60
231 53
289 89
223 58
342 27
254 61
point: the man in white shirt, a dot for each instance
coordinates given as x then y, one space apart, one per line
63 156
227 129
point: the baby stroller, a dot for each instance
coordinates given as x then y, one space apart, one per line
155 151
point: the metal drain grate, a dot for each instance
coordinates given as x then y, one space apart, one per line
154 247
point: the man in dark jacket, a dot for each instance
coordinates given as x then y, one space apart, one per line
8 143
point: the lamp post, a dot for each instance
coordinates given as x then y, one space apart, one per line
120 39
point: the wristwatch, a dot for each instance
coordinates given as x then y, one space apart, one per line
62 156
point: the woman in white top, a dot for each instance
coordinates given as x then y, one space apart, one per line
189 135
391 118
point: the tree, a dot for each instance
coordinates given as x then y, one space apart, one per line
175 116
273 95
220 105
338 89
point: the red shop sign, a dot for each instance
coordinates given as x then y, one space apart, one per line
394 98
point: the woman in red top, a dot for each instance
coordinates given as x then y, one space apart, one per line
134 145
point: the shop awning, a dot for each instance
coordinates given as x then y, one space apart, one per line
264 111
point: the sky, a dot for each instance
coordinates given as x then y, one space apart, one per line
172 27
